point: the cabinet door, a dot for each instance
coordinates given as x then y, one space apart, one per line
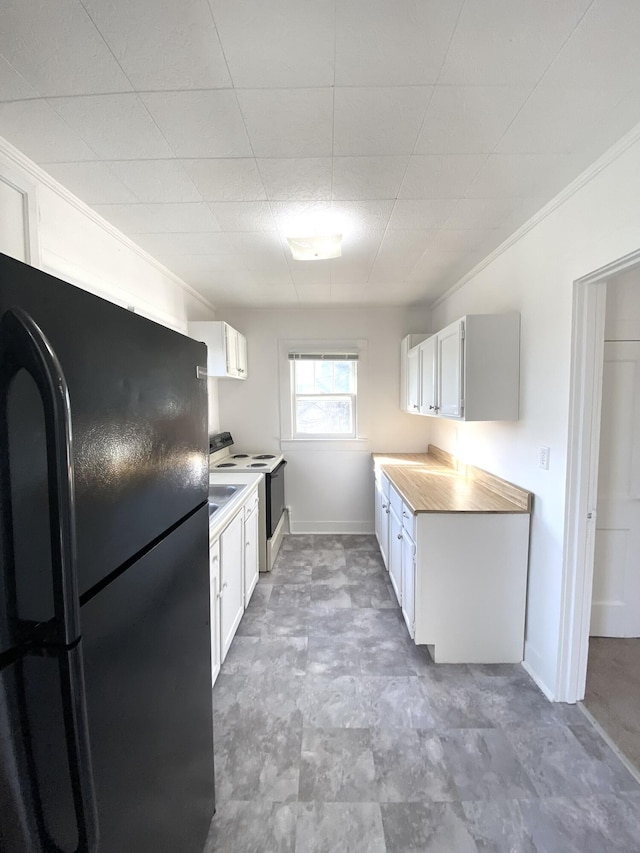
395 554
231 339
214 577
408 582
231 580
250 549
449 356
382 522
428 365
413 380
242 355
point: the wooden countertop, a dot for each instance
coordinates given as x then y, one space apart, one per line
436 482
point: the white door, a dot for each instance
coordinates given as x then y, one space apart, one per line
251 550
449 356
409 582
615 610
382 519
242 355
413 381
395 554
214 579
231 338
13 221
428 356
231 580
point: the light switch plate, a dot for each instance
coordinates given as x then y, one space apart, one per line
543 457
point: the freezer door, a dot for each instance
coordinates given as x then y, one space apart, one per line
147 659
139 420
42 773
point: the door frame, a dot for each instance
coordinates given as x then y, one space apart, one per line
583 451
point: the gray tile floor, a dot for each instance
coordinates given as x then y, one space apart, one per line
334 732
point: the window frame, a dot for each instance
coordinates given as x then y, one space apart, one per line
328 346
352 396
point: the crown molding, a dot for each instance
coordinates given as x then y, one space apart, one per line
606 159
16 158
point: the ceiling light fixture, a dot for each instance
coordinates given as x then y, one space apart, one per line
319 248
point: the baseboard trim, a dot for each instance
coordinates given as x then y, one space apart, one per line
635 772
531 670
343 527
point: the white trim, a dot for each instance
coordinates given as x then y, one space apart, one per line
8 152
587 347
583 178
108 291
28 189
286 392
633 770
342 527
532 665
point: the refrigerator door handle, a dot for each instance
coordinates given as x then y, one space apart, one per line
23 346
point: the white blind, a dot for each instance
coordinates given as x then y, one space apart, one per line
328 356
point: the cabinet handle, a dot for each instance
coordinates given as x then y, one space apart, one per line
432 407
399 535
384 506
415 406
404 514
222 590
387 510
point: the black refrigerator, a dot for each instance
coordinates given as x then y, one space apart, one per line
106 740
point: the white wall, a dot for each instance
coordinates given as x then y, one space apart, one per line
77 245
622 322
595 225
73 243
328 489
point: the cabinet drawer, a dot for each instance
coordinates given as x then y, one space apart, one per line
409 521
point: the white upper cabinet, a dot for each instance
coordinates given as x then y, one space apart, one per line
226 348
449 371
470 370
410 374
428 361
413 381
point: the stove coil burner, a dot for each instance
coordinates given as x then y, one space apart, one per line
240 456
266 456
258 464
226 465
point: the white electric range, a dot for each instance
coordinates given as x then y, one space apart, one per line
272 508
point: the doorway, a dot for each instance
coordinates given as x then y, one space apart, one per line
600 644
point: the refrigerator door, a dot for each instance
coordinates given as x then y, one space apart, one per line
139 419
147 643
43 776
46 795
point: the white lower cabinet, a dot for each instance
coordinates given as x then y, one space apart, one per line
409 582
231 580
251 569
395 553
234 573
382 512
461 580
214 579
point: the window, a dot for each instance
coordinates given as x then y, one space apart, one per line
323 394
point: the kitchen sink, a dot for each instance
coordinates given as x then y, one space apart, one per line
213 507
221 494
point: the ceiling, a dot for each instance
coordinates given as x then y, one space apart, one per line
206 130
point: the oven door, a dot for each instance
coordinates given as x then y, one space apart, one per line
275 504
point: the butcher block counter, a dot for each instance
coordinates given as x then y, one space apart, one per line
455 540
435 482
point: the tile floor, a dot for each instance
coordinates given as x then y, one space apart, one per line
334 732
